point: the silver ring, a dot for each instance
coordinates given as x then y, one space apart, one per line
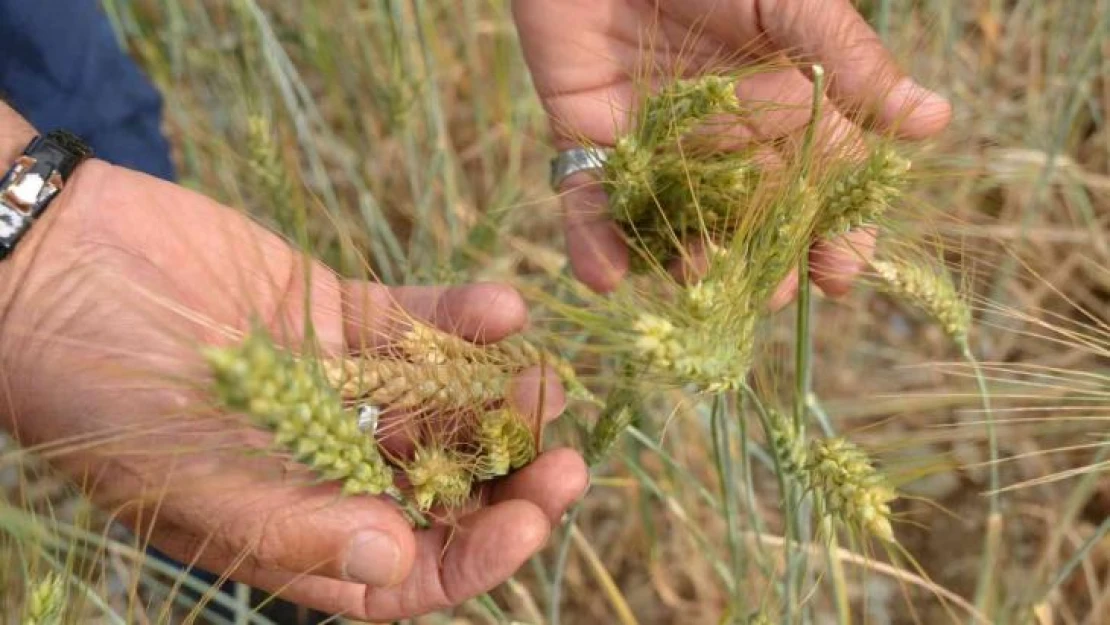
570 162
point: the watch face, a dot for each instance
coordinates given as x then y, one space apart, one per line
25 191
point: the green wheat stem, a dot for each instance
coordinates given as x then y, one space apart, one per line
722 454
818 75
707 545
691 481
409 509
803 352
803 346
789 513
985 585
1081 553
749 484
1077 499
562 552
813 403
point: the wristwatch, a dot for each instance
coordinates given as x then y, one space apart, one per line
34 181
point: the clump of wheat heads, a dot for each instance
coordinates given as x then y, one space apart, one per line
291 397
667 188
309 403
659 191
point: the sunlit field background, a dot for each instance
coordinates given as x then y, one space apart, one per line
403 140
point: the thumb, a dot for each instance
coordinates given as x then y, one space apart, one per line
281 528
865 80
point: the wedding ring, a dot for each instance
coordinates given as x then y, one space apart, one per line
570 162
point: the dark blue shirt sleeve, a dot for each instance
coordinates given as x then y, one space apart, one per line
62 67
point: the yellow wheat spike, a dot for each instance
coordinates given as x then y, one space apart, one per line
930 290
451 385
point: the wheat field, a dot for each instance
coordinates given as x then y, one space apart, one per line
930 448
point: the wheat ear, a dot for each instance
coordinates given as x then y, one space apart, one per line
847 489
46 601
291 397
506 443
861 196
439 475
451 385
930 290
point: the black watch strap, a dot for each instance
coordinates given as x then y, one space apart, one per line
34 180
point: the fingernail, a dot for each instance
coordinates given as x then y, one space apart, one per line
372 558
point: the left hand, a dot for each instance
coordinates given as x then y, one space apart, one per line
102 309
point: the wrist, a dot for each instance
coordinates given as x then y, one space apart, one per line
50 167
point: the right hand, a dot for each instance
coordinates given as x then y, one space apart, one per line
583 55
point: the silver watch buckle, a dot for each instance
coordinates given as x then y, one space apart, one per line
25 189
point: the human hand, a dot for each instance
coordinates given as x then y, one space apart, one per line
585 54
127 275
